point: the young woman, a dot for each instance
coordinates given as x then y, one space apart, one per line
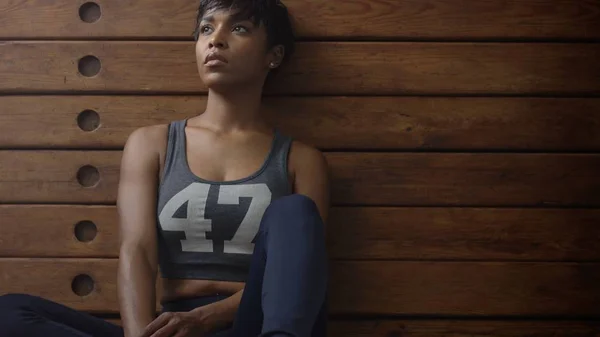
229 209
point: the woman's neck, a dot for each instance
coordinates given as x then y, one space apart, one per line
234 110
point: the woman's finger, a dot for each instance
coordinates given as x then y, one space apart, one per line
168 330
158 323
184 333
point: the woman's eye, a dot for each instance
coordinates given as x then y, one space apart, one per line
204 29
240 29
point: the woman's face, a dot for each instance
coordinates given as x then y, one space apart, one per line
230 50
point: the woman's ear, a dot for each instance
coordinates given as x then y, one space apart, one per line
276 55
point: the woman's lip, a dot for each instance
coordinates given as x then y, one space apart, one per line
215 56
214 62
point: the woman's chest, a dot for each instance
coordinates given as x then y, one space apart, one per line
226 159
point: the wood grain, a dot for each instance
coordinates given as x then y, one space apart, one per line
474 289
330 123
332 19
49 231
457 328
373 287
53 278
331 68
50 176
476 234
356 233
464 179
390 179
463 328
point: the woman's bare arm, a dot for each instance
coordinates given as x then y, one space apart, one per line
136 205
311 176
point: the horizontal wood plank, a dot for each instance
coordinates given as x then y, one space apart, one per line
465 288
353 233
322 68
390 179
457 328
422 123
59 231
463 234
464 328
465 179
53 279
373 287
51 176
339 19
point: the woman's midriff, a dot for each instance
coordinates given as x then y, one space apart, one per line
173 289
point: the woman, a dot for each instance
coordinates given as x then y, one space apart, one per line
230 209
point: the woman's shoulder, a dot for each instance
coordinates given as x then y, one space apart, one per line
300 150
303 156
151 131
149 137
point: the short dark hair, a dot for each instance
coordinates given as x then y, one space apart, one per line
273 14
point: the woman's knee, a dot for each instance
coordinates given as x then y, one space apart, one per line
291 205
14 310
16 301
294 215
294 208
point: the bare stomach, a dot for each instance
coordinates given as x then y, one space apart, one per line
173 289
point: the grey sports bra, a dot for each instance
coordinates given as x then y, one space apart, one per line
206 229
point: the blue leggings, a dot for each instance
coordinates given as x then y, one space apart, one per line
284 294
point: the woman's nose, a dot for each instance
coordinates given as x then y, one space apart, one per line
217 41
216 44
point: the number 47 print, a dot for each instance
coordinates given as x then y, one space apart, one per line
196 225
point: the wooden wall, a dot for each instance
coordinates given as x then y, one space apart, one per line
463 137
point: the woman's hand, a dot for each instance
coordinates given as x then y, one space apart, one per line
197 322
178 324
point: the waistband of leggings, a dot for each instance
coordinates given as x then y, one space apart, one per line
190 303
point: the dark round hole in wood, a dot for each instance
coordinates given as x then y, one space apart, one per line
88 120
85 231
82 285
89 66
88 176
90 12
